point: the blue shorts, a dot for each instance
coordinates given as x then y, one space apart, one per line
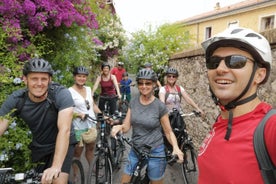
156 166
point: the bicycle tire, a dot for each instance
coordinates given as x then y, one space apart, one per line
189 167
120 148
100 170
76 177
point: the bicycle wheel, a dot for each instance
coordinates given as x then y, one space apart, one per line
76 175
100 170
189 167
120 148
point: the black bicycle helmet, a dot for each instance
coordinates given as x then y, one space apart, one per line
37 65
125 74
80 70
146 74
104 64
172 71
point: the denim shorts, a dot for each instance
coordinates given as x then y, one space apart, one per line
156 166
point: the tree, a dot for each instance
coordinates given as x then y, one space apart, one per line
63 32
155 46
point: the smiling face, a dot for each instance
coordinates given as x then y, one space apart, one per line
226 83
37 84
171 79
106 70
145 87
80 79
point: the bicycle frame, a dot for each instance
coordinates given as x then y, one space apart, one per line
139 175
103 151
123 104
189 166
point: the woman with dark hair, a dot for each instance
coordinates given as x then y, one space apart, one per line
110 90
84 105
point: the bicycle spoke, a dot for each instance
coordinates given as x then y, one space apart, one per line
100 171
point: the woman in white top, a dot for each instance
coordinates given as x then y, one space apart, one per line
171 93
84 105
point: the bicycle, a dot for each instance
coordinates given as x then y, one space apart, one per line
7 176
105 162
139 175
76 175
189 166
123 104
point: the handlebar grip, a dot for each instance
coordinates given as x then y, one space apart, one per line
173 159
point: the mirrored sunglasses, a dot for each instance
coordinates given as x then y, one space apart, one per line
87 104
144 83
171 76
232 61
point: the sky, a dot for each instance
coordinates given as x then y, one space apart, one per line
137 14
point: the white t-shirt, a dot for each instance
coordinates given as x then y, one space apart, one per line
173 100
81 107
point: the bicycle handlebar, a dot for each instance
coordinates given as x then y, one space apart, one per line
145 152
196 113
102 117
127 85
7 176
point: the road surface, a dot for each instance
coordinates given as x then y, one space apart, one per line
173 173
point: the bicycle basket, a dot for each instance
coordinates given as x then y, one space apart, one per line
89 136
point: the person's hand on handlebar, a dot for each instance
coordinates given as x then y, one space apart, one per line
115 130
179 154
50 174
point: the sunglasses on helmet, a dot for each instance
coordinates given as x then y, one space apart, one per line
232 61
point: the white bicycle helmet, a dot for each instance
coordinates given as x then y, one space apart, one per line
244 39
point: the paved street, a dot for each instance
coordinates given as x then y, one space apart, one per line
173 173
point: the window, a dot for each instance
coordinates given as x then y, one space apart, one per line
208 32
267 22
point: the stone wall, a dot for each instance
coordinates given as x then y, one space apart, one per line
193 77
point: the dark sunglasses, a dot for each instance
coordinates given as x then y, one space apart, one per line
232 61
87 104
171 76
144 83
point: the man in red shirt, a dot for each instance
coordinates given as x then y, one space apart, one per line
238 61
118 71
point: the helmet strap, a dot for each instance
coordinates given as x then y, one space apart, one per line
233 104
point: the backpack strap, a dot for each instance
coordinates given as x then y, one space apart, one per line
51 98
21 101
168 91
266 166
